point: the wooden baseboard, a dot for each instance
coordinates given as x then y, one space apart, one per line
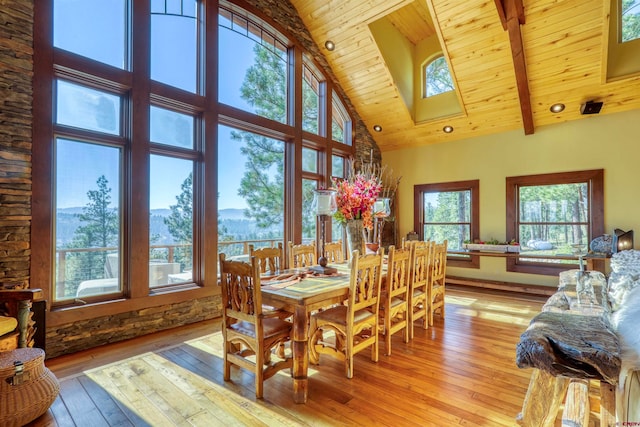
503 286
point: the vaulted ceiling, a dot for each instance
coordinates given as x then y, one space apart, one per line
564 44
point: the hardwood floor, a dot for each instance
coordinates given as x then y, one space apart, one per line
460 372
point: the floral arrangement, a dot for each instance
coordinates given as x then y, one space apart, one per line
356 195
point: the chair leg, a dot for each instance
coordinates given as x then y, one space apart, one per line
348 351
387 333
405 331
427 310
259 373
376 343
225 361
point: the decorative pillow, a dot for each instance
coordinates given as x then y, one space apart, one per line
7 324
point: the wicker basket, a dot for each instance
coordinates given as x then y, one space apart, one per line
27 395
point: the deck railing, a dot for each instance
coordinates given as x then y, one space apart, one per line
163 253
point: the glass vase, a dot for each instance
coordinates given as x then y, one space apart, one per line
355 236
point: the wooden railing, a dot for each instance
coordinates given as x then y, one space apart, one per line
61 254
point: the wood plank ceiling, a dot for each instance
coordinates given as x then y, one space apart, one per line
564 49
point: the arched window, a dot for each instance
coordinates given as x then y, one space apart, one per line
152 128
437 78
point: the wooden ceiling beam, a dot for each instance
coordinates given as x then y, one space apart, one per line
511 14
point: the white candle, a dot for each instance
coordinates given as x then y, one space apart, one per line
324 204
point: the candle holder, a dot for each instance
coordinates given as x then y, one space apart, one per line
381 210
325 205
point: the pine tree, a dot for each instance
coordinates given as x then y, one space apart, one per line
100 229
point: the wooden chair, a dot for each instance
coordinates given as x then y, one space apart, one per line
436 282
268 259
17 327
333 252
355 324
246 330
419 287
302 255
394 304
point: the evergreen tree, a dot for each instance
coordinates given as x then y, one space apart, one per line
180 224
262 184
100 229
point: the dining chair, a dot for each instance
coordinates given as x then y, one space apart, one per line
436 283
251 339
302 255
354 324
333 252
394 303
269 259
419 287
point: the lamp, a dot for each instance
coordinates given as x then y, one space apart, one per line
381 210
622 240
324 204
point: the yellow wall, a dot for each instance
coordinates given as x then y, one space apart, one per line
398 54
609 142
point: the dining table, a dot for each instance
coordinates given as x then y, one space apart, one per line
299 292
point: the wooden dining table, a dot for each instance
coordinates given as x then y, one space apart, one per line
300 294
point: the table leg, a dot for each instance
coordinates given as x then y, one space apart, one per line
607 405
543 399
300 354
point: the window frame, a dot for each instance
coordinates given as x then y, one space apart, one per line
465 261
595 184
425 76
139 91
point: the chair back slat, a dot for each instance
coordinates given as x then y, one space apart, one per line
302 255
366 280
398 272
268 259
333 252
240 283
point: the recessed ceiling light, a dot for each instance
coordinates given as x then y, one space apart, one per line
557 108
447 129
377 128
329 45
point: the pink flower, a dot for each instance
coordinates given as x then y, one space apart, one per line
355 197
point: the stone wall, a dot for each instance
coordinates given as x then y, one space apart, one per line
16 72
89 333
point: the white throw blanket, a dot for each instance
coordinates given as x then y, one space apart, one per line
624 293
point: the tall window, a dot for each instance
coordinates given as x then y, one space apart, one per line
553 214
252 187
312 99
630 18
341 125
437 78
253 66
138 149
448 211
88 172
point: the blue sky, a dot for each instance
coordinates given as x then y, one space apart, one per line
100 36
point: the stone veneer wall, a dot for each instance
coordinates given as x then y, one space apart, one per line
16 73
95 332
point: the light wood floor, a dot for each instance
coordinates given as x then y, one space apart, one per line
460 372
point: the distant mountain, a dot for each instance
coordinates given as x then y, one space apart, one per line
231 214
232 221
